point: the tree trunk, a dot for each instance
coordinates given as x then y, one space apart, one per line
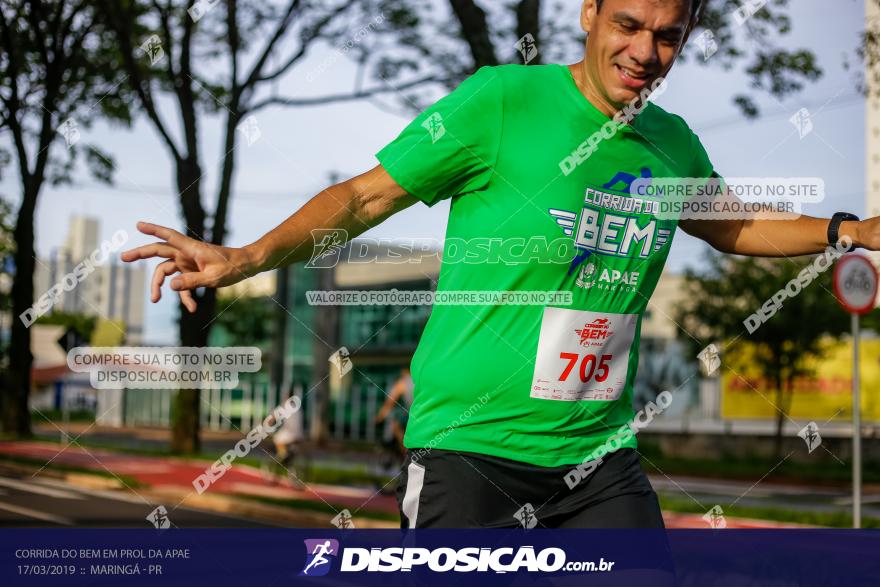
194 328
475 32
193 332
218 228
528 22
16 412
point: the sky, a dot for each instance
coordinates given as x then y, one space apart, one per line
299 149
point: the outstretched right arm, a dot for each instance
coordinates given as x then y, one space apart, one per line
354 205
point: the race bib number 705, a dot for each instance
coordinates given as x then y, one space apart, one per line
582 355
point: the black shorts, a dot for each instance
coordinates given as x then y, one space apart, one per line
451 489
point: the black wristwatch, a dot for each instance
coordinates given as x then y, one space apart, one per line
834 226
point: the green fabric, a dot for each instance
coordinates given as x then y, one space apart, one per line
494 146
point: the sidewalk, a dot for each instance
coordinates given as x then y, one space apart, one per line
172 478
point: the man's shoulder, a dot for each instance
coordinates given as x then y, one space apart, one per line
514 73
521 86
673 131
666 127
660 117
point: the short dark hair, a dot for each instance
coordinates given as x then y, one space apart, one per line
696 8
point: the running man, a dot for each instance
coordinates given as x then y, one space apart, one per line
286 441
508 398
320 550
397 404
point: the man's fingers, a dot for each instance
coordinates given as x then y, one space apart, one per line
187 298
163 270
148 252
169 234
189 281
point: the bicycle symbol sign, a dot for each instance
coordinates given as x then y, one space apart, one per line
855 283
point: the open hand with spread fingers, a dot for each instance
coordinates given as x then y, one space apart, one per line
200 264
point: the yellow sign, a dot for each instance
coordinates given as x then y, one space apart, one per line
827 394
108 333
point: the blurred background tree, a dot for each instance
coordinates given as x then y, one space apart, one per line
211 59
55 78
444 41
787 346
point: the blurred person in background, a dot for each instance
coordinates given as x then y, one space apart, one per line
397 404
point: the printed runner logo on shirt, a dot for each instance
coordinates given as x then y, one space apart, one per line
614 224
596 330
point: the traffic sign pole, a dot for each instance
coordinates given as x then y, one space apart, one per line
857 429
855 286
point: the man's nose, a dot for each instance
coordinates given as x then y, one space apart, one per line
643 49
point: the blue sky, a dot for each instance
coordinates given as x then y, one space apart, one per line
299 149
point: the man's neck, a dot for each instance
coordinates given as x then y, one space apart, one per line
588 89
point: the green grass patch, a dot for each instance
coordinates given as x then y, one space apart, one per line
59 468
729 467
354 477
307 472
827 519
146 452
57 416
320 507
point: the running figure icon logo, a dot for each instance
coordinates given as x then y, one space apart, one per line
319 554
597 330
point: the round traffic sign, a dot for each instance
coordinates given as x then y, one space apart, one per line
855 283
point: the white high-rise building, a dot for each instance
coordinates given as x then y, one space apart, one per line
114 290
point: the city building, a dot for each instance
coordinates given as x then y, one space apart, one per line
113 291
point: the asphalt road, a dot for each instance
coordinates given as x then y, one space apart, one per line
33 501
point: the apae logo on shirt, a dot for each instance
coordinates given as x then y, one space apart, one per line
590 276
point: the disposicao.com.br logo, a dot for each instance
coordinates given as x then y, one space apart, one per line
320 553
319 556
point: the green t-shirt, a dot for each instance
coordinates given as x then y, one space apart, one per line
544 384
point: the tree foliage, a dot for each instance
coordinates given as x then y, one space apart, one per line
788 345
212 59
56 78
444 41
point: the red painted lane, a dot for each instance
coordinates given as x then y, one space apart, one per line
243 480
169 472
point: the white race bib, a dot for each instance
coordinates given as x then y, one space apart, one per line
582 355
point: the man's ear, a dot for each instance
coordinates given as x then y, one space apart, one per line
588 15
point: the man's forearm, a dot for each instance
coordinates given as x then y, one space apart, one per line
789 238
774 238
291 241
354 206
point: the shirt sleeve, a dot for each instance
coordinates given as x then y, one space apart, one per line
451 148
702 165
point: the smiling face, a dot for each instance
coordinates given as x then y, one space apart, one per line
630 44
